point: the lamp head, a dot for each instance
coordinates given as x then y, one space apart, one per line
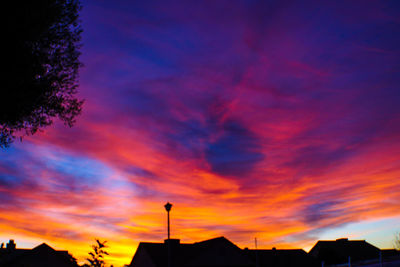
168 206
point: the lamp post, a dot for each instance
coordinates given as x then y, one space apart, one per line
168 207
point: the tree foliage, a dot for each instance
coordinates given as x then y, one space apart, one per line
97 254
41 62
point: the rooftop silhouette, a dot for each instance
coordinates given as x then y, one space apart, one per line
222 252
40 256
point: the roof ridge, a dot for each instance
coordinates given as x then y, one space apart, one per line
215 238
43 245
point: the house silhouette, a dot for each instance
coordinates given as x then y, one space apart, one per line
215 252
42 255
343 250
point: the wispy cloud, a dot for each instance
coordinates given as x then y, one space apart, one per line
279 120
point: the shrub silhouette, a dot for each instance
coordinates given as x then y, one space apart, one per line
97 254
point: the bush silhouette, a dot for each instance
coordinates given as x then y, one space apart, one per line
97 254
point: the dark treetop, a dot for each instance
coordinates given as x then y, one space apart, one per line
41 61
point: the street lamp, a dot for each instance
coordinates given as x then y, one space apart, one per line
168 207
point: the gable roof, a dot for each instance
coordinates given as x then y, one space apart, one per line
217 252
339 251
213 252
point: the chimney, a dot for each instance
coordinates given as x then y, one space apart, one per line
342 240
11 245
172 242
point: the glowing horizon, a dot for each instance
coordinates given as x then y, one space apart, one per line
279 121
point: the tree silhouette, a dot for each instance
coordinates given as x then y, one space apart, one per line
397 241
97 255
41 60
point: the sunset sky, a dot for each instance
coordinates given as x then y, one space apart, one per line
271 119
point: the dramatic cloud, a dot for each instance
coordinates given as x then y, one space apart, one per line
279 120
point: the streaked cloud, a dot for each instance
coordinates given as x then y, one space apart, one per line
268 119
